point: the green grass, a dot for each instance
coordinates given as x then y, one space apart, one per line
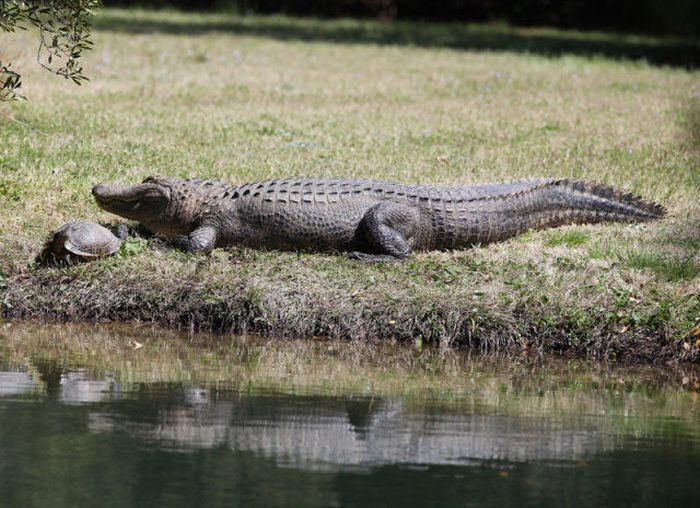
246 98
569 238
673 268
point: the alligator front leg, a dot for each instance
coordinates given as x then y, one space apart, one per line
387 228
202 239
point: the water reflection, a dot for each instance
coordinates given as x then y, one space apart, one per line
78 387
315 432
173 423
14 381
325 433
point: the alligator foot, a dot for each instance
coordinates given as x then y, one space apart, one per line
202 239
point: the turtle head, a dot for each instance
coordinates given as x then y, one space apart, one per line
147 202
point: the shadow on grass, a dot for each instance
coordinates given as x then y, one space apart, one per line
691 122
549 42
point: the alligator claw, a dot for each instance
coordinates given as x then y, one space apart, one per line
372 258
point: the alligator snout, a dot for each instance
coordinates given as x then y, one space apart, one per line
100 191
105 192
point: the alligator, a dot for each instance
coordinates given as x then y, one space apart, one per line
371 220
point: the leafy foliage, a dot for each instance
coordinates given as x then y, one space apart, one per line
64 33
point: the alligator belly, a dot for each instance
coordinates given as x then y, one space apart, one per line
320 227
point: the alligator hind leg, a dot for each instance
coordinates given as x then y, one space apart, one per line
387 229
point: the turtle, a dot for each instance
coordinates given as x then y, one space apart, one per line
81 240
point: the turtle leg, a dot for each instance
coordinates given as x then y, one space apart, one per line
202 239
387 228
122 231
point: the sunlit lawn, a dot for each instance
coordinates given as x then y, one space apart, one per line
248 98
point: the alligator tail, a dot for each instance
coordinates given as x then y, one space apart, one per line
595 202
558 202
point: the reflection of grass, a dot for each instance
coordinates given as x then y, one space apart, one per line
450 379
142 353
235 103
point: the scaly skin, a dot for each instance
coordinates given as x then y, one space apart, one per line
374 221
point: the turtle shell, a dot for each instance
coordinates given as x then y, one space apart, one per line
81 239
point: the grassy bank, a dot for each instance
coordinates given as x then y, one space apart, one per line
234 99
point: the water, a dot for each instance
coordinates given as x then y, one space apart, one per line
139 417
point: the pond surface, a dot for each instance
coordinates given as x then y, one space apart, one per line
129 416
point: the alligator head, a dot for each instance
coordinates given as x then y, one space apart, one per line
147 202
